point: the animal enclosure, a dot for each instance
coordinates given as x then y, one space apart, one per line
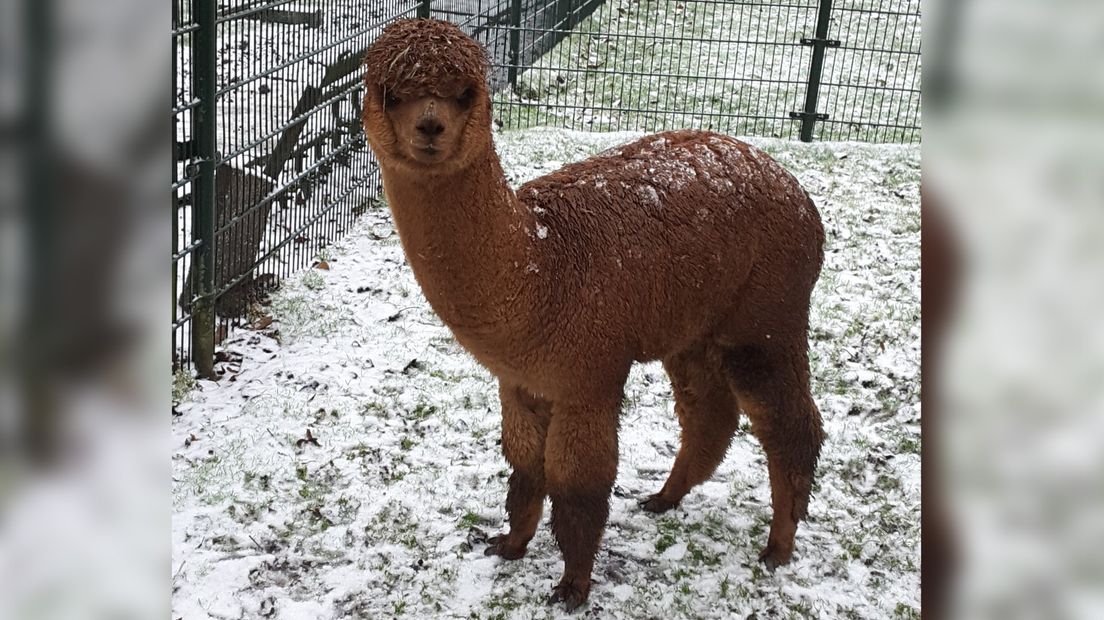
270 165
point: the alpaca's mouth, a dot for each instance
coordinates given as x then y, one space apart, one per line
428 154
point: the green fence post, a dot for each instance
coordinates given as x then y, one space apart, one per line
36 345
809 116
423 8
515 42
204 127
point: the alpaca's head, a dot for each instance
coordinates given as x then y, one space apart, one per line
426 105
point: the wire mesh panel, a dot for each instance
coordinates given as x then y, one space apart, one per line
736 67
184 106
481 19
288 168
870 87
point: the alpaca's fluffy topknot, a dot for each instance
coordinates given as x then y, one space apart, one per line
415 57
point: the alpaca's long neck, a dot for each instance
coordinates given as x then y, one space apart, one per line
466 237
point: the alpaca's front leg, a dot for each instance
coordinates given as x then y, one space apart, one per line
524 427
580 467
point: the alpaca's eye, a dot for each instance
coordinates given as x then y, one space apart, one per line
390 101
466 98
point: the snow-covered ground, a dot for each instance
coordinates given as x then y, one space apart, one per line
347 463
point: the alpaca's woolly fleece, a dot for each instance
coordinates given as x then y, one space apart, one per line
423 56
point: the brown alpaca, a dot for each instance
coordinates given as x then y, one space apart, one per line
688 247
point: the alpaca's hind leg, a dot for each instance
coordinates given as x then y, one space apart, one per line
580 467
708 414
524 427
772 385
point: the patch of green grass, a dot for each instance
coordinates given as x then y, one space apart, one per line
908 444
214 478
397 524
182 384
801 609
375 409
313 280
759 528
668 531
302 315
504 602
664 542
886 482
470 519
852 547
702 556
423 411
906 612
347 508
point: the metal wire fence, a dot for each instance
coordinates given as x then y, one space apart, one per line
270 165
745 67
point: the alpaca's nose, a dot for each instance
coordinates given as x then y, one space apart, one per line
429 126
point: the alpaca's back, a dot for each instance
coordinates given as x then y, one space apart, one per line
659 236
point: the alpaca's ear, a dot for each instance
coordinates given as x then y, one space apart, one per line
375 95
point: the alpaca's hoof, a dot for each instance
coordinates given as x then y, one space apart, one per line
570 593
498 545
656 503
775 555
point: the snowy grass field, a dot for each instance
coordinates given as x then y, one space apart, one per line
734 67
347 463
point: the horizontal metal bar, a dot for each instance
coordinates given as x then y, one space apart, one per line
530 69
295 119
182 182
186 107
870 124
876 12
186 251
908 52
259 8
545 7
654 111
815 41
456 13
651 37
183 30
893 89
